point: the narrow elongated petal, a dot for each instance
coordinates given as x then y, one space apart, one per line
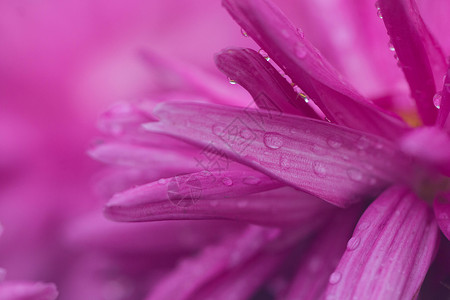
420 58
443 100
322 257
268 88
442 213
12 290
129 155
270 28
335 163
196 196
392 248
193 275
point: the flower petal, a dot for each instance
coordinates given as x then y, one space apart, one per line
420 58
443 119
430 146
193 275
442 212
393 246
198 195
335 163
270 28
321 258
267 87
12 290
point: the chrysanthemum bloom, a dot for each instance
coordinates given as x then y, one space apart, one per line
347 198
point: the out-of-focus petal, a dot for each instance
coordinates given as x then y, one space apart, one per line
390 252
270 28
429 145
337 164
442 212
420 57
322 257
215 265
268 88
12 290
442 99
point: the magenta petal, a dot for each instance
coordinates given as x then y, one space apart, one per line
196 196
390 252
442 212
322 257
193 275
268 88
443 100
337 164
12 290
420 58
430 146
270 28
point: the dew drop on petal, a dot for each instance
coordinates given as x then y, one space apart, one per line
391 46
300 33
264 54
273 140
437 100
377 5
251 180
363 225
334 142
355 174
319 169
363 143
162 181
231 81
244 33
335 277
300 50
353 243
218 130
284 162
227 181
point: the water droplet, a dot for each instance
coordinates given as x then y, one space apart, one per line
353 243
300 50
303 96
437 100
443 216
242 204
218 130
377 5
284 162
391 46
273 140
162 181
251 180
244 33
246 134
334 141
227 181
363 143
293 130
264 54
335 277
319 169
231 81
300 33
318 149
355 174
364 225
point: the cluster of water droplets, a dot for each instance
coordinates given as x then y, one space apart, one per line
264 54
379 14
437 100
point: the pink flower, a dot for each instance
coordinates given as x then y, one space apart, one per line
274 165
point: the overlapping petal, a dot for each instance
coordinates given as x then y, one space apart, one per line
269 27
442 212
335 163
420 58
268 88
390 252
